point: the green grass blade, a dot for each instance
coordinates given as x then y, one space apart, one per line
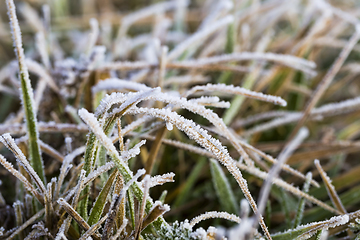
130 197
222 188
102 161
301 207
27 95
163 196
101 200
92 146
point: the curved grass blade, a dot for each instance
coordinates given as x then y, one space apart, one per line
330 188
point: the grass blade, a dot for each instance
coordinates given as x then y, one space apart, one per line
222 188
330 188
101 200
300 210
27 95
306 231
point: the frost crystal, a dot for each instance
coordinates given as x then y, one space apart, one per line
169 126
178 231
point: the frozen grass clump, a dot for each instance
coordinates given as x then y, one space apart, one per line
179 120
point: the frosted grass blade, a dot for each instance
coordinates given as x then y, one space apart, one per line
308 230
301 207
27 95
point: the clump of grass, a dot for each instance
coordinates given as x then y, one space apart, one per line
209 111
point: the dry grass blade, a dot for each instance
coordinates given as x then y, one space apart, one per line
330 188
259 117
51 151
18 216
120 136
76 192
120 214
39 70
119 85
154 150
203 152
140 214
117 201
71 211
158 210
208 68
45 148
78 189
